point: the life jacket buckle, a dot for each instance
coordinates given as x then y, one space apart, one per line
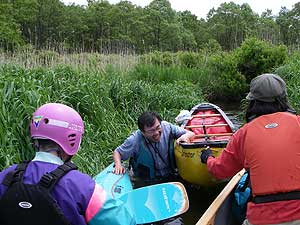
47 180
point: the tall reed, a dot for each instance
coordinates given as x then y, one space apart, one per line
108 101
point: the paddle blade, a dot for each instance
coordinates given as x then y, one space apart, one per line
156 202
114 185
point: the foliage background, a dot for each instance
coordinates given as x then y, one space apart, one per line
129 29
111 62
110 98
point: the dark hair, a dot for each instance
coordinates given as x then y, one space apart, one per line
258 108
148 119
44 143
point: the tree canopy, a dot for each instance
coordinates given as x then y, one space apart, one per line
125 27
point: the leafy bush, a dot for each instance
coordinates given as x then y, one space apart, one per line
211 47
255 57
290 72
190 59
225 81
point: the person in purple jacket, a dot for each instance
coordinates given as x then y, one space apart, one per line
49 189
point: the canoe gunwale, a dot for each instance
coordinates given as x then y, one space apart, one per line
209 216
206 106
216 144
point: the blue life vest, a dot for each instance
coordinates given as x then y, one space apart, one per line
143 163
242 194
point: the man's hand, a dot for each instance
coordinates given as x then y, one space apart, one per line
205 153
187 137
183 138
119 169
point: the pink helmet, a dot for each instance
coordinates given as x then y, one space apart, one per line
59 123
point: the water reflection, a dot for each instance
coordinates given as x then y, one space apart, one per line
199 199
233 111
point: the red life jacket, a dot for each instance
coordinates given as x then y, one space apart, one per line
272 153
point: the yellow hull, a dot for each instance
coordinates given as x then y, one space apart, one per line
212 128
190 167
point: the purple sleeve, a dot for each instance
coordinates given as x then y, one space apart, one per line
2 175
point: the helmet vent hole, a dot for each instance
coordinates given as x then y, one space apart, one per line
46 121
72 136
72 139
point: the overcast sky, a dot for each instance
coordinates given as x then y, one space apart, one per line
201 7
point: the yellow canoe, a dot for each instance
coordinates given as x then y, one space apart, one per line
212 128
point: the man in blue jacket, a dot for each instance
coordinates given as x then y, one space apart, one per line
151 152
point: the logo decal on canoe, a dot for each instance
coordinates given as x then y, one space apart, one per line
118 190
188 154
36 120
25 205
271 125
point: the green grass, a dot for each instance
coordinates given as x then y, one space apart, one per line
109 92
291 74
109 101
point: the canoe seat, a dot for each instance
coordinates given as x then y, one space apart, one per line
205 115
208 125
213 135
